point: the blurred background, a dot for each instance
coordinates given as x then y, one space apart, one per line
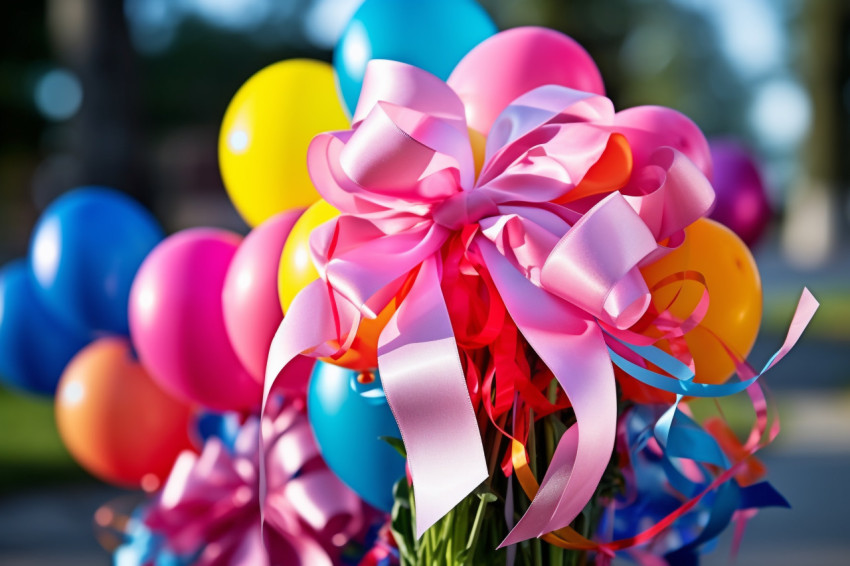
131 95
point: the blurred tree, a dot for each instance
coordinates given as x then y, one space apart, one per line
23 54
91 38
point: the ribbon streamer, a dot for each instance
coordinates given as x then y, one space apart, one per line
404 180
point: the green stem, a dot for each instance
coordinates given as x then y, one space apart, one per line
445 534
556 555
537 551
476 529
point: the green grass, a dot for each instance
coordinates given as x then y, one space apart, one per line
31 452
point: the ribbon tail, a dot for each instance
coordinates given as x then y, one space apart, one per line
307 325
573 347
426 390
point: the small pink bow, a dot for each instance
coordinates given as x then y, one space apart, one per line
404 179
210 503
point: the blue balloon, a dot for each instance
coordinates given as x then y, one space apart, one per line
35 346
347 418
85 251
433 35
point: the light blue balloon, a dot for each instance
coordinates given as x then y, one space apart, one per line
84 253
348 418
35 346
430 34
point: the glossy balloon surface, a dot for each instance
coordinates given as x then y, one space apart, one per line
296 271
35 345
515 61
742 203
734 287
348 418
115 421
295 268
85 251
262 145
177 321
432 35
252 311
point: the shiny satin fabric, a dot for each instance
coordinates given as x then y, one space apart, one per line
210 505
404 179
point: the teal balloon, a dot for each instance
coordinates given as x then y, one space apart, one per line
430 34
35 345
84 253
348 418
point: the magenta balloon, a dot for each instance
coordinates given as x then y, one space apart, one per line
742 202
252 310
177 321
515 61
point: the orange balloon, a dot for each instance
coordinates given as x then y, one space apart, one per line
611 172
296 271
479 149
735 296
115 421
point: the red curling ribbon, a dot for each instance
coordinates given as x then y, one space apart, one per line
404 180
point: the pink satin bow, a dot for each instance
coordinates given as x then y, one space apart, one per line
210 503
405 182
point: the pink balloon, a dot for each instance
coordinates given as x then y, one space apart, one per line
649 127
515 61
252 310
177 321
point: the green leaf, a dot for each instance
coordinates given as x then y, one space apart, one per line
558 427
463 556
396 443
401 523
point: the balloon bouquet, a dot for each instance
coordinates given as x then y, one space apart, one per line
467 326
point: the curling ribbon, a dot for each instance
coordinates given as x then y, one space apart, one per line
404 180
681 437
209 507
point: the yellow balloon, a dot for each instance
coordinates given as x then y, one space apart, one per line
479 149
262 146
296 269
735 295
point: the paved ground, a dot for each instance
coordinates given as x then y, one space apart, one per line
52 527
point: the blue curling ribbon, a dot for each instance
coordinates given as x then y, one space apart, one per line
655 474
143 547
761 495
726 501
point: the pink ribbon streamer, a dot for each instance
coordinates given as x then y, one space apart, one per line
404 180
211 503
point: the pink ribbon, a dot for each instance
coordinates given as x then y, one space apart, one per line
405 183
210 503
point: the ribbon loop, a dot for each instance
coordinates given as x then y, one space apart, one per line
670 193
404 180
596 279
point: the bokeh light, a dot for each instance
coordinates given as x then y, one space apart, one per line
58 94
